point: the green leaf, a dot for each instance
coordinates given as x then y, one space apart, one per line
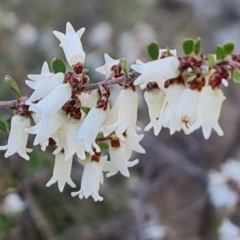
34 161
58 65
211 60
236 76
123 65
100 135
228 48
220 52
86 109
153 50
197 46
11 83
188 45
103 146
4 125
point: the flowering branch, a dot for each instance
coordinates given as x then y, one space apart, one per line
182 93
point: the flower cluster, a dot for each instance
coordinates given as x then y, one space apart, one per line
78 123
182 93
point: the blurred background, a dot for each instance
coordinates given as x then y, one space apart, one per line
166 195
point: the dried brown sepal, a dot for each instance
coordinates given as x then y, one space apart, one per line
115 143
68 106
22 108
96 156
215 80
102 103
151 86
197 84
75 113
78 68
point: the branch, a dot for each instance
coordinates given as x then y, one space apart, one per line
106 82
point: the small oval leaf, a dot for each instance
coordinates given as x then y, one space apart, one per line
153 50
123 65
11 83
4 125
100 135
220 52
58 65
211 60
85 109
187 46
103 146
236 76
197 46
228 48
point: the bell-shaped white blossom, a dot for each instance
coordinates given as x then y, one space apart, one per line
90 128
71 44
45 73
46 131
106 68
157 70
127 103
228 230
51 103
65 134
209 108
44 87
61 172
220 193
231 169
167 116
119 161
131 141
186 109
62 146
13 203
91 179
154 99
17 139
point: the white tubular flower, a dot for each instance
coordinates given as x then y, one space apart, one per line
44 132
158 70
62 135
51 103
61 172
92 99
231 169
127 112
209 108
91 179
228 230
71 44
13 203
167 115
119 161
37 128
90 128
17 139
131 142
154 99
45 73
45 86
220 193
109 63
71 147
186 109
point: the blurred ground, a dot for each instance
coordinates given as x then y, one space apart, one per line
168 187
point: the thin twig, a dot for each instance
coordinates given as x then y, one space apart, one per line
14 103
